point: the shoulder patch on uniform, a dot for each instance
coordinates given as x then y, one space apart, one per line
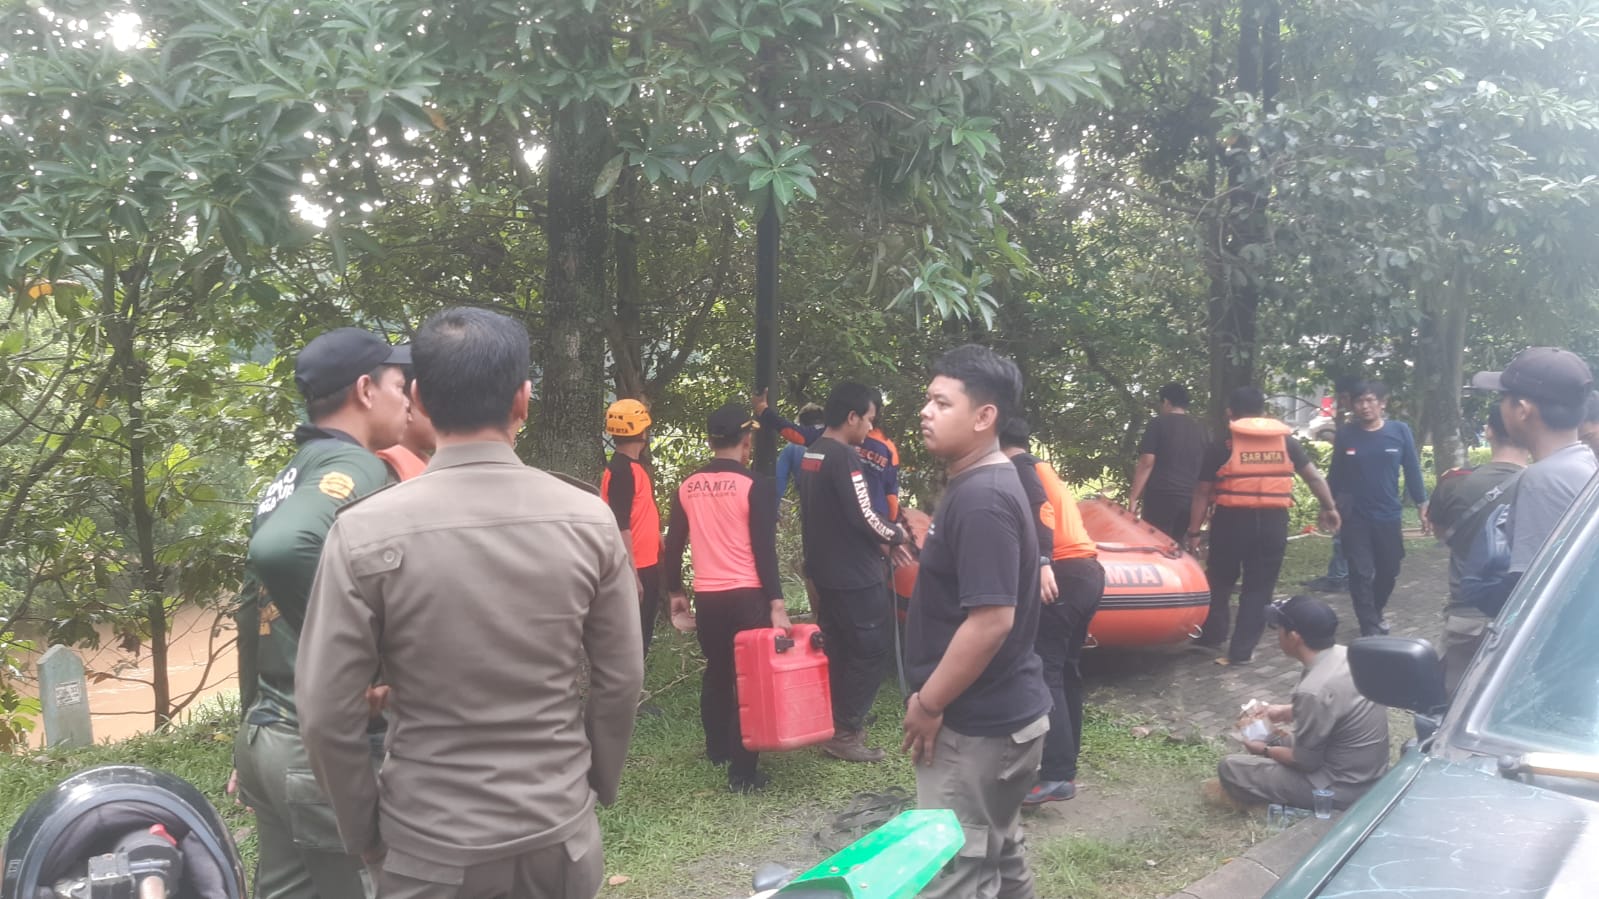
337 484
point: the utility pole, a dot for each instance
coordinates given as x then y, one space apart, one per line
766 246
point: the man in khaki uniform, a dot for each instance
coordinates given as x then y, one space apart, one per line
478 588
1340 739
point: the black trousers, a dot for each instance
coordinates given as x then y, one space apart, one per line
1374 550
1169 512
649 602
1248 543
719 616
859 645
1062 628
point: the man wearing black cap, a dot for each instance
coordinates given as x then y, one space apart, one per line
730 515
1340 738
1542 394
354 389
482 591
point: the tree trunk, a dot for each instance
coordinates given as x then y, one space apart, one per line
627 349
1441 362
130 374
565 433
1239 239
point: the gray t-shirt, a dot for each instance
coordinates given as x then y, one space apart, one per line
1546 489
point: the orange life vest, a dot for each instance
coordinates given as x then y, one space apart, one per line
1060 515
1258 474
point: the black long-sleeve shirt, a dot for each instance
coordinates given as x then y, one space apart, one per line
841 531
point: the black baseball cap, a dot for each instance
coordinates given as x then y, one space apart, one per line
1541 374
1306 616
337 359
730 420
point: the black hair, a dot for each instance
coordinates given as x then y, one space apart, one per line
1176 394
986 376
1246 401
1496 423
1590 408
1558 416
319 408
1374 387
810 416
1015 432
846 397
469 365
723 442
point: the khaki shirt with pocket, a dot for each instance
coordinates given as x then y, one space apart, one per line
480 588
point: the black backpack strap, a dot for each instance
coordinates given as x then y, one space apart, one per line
1487 499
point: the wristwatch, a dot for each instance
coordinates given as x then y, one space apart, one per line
1043 560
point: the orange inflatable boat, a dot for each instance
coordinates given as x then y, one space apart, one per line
1155 593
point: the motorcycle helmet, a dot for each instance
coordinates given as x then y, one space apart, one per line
91 813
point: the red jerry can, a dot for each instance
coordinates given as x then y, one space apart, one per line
784 697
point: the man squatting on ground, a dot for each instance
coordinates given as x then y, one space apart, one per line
627 488
1340 738
355 400
975 724
495 763
1072 583
729 515
841 535
1249 480
1364 475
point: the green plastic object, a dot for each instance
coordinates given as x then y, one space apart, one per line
892 862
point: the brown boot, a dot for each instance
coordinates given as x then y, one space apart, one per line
851 747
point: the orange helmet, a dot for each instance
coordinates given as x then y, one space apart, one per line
626 418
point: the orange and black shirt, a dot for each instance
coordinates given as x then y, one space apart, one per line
729 514
625 486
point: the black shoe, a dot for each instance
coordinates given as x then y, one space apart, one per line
752 784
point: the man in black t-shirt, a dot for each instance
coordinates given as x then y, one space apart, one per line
1252 490
1168 464
975 725
1461 503
842 538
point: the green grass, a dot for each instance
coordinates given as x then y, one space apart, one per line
677 832
1307 557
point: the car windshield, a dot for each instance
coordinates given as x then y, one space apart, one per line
1547 697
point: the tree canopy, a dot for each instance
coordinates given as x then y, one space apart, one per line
1117 194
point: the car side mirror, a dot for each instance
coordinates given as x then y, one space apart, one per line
770 876
1400 672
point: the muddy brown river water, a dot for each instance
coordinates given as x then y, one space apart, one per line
120 707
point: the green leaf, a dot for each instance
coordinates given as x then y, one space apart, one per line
606 180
